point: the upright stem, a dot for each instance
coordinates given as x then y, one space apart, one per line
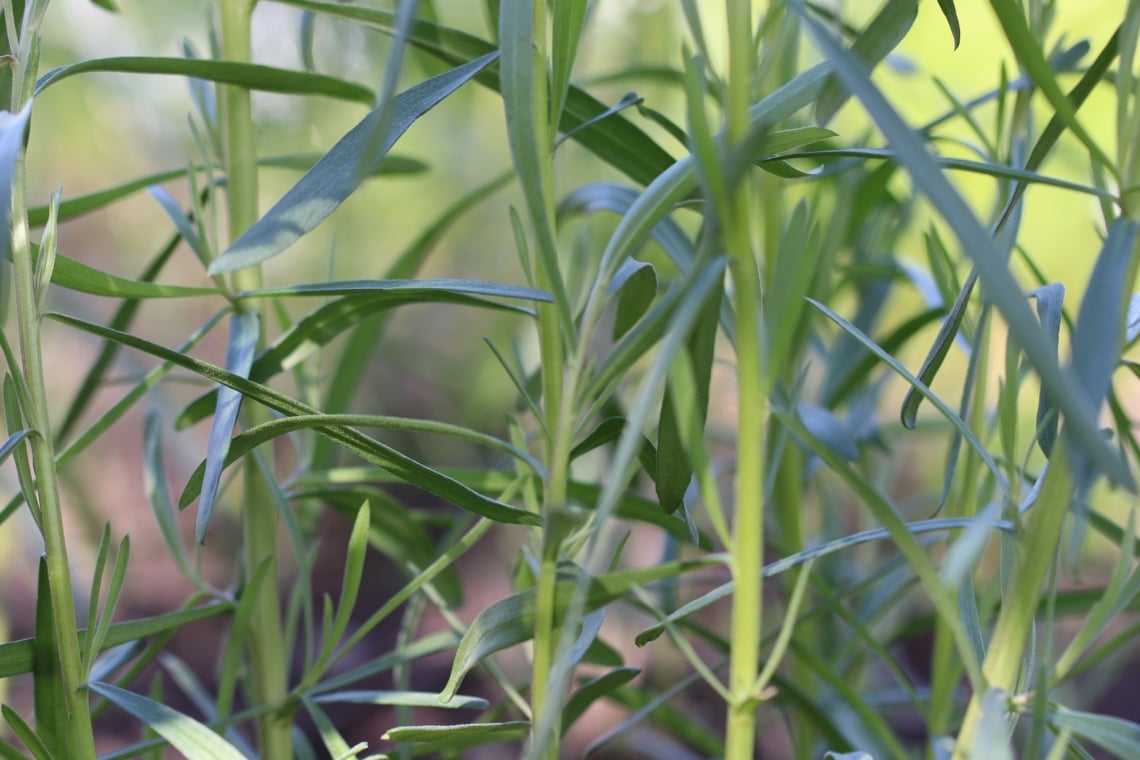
268 662
80 739
752 383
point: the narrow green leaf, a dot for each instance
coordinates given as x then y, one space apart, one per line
154 478
46 256
510 621
250 76
635 285
47 683
96 639
405 698
593 690
1049 136
245 331
991 266
1119 736
350 583
569 19
17 657
395 532
615 140
1050 305
75 275
951 14
421 290
185 734
462 733
674 468
267 431
24 733
882 35
1029 54
181 221
231 661
336 176
319 327
372 451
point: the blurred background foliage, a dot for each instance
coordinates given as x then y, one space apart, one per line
99 130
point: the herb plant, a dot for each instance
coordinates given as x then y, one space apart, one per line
701 458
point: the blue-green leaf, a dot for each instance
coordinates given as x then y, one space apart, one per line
339 172
245 330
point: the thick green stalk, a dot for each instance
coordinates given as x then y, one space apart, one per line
752 384
268 662
546 733
80 739
1037 552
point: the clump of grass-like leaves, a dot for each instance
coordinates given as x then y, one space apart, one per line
703 443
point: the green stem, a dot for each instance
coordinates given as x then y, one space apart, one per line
753 383
1036 555
268 661
80 739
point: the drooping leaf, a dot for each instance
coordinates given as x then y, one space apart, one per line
338 173
245 331
616 140
24 732
373 451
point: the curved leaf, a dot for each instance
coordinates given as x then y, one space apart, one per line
340 171
408 469
251 76
185 734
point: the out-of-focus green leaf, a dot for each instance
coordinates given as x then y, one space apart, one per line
319 327
636 286
992 269
1119 736
373 451
615 140
510 621
16 657
951 14
250 76
75 275
185 734
24 733
593 690
395 532
339 172
882 35
1050 303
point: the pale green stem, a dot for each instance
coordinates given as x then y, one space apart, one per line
752 384
1036 555
268 661
80 740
